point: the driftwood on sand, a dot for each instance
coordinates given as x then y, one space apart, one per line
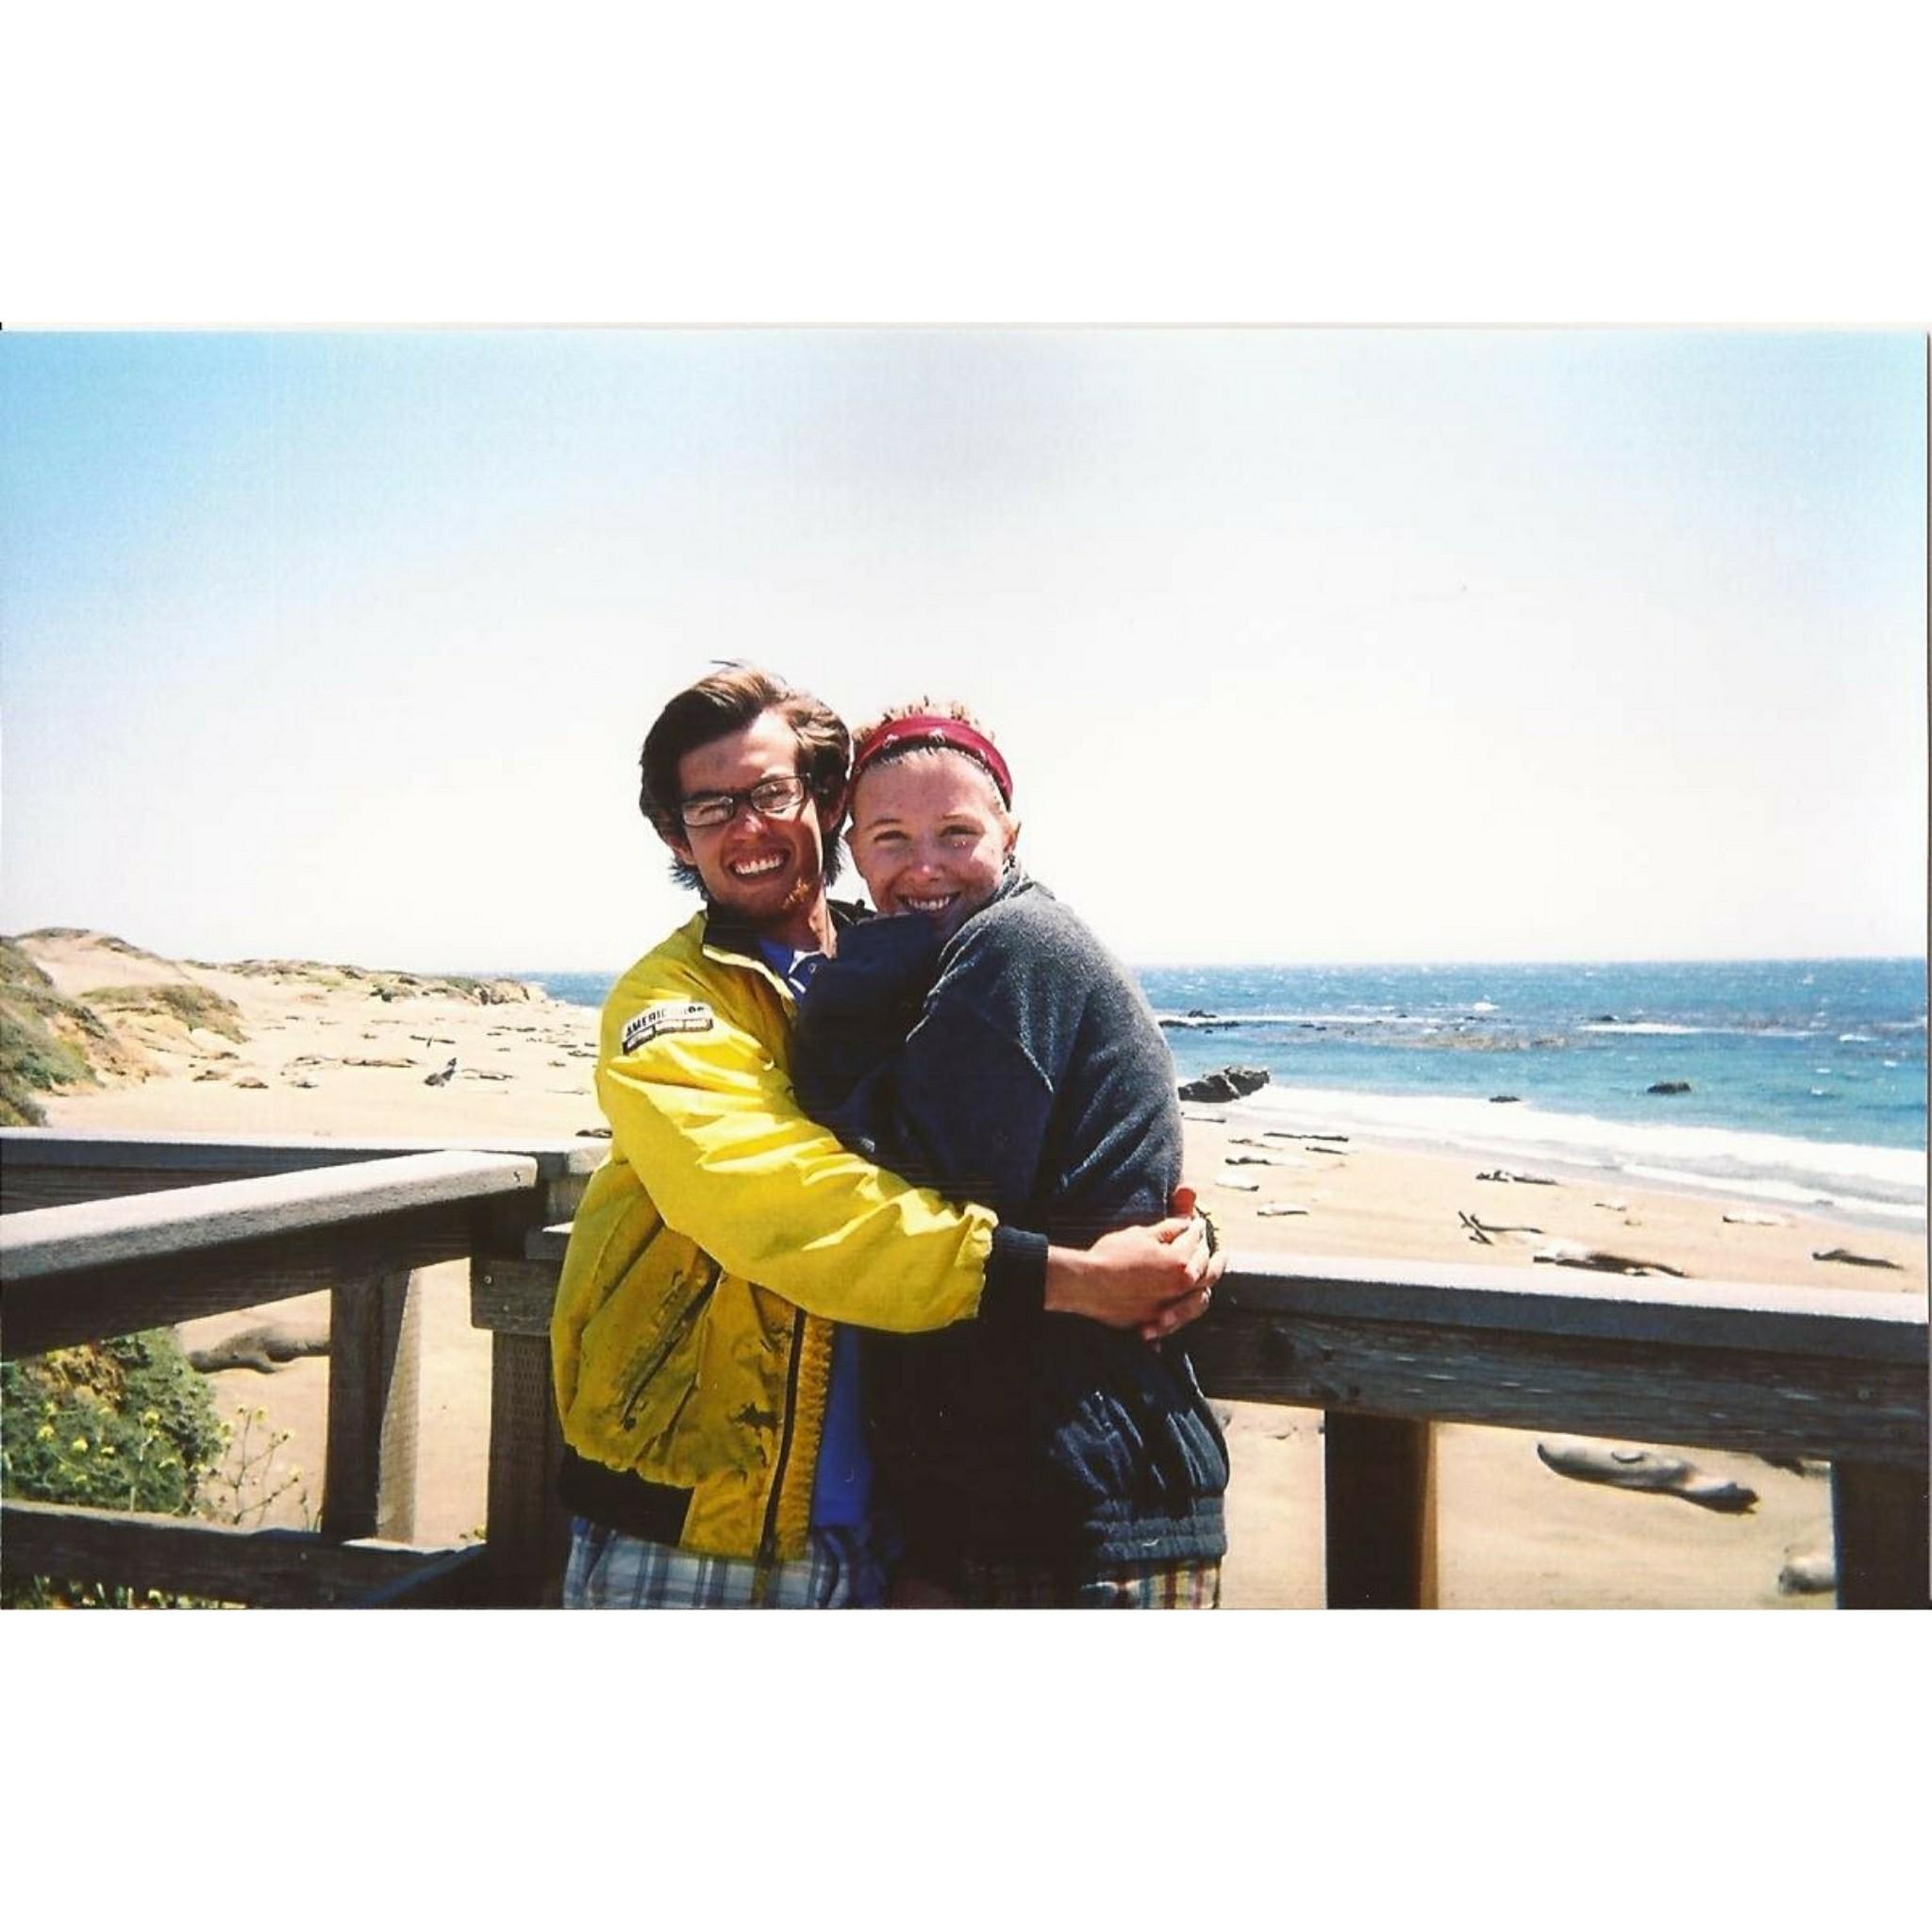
1481 1231
1845 1254
1521 1180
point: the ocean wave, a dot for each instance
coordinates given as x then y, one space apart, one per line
1854 1177
1637 1026
1790 1194
1215 1023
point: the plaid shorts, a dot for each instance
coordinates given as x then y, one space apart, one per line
609 1571
1135 1587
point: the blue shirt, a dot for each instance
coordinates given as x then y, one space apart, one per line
842 1482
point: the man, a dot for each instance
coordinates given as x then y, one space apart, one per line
706 1385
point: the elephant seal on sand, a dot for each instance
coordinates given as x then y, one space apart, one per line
1810 1574
1645 1469
260 1348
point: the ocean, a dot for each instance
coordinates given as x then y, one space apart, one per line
1802 1081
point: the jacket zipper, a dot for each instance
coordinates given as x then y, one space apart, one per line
767 1541
674 1336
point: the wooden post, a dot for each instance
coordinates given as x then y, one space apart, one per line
375 1401
1879 1520
1379 1493
527 1530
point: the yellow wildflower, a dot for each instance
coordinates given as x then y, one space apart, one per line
80 1445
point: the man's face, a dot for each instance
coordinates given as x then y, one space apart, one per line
767 868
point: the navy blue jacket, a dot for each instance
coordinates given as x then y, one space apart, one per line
1019 1066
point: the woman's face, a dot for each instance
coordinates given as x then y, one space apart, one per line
929 836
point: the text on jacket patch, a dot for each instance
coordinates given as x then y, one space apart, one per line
668 1016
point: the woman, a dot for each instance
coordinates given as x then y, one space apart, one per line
979 1039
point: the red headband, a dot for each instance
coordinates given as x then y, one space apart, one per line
952 734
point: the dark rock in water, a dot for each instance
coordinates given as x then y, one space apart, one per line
1504 1099
1201 1013
1226 1083
1606 1020
1668 1087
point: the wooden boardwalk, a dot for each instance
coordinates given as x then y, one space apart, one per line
104 1235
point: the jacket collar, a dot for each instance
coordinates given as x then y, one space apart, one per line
726 932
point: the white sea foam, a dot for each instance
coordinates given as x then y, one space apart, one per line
1886 1184
1212 1023
1635 1026
1664 1026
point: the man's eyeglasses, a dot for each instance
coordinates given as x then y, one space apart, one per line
777 798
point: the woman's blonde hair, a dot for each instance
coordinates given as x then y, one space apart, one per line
992 763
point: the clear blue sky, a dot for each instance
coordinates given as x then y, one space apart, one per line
1344 645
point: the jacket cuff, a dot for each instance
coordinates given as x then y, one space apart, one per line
1015 1289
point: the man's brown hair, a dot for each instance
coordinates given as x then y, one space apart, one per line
715 707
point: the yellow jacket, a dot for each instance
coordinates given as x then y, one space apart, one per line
690 1345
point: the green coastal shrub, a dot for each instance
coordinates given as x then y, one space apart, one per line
120 1425
47 1040
194 1006
33 1060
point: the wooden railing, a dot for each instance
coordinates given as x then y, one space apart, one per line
103 1236
1390 1349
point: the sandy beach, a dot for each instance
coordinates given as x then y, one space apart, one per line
323 1053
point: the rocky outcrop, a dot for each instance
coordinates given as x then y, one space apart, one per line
1224 1084
506 993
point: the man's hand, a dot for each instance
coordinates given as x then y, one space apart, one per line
1189 1307
1153 1279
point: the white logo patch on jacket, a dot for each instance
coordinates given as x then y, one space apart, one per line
668 1016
